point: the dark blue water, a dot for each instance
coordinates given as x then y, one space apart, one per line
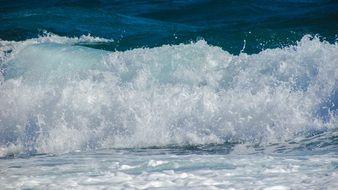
262 24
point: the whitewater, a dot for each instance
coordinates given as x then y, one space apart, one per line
186 116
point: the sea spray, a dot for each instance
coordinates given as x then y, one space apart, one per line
57 96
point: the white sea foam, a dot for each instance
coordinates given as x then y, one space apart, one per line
101 171
57 97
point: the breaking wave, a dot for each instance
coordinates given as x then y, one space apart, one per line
57 96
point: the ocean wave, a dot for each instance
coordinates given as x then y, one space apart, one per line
8 48
57 96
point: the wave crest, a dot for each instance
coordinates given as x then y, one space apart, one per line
59 97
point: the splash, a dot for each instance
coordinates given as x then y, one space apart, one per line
57 96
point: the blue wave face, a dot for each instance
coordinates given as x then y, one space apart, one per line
53 90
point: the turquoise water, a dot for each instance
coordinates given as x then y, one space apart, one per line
168 94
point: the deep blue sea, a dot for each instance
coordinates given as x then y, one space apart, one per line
181 94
